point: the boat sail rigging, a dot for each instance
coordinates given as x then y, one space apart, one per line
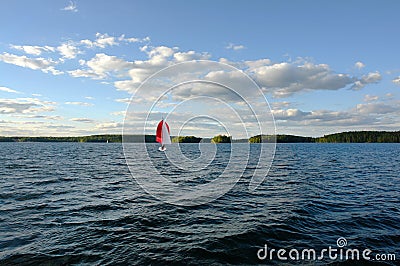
162 135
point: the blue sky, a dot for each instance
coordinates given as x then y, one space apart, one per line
70 68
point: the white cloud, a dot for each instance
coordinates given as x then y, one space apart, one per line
102 66
278 105
71 7
88 43
235 47
396 80
158 55
25 106
131 39
369 116
123 100
83 120
389 95
163 51
103 40
122 38
89 97
370 98
159 58
79 103
359 65
48 117
45 65
118 113
376 108
79 73
251 65
290 114
116 126
33 49
5 89
190 55
280 79
373 77
285 79
127 85
68 50
36 128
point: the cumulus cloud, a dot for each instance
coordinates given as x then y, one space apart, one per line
373 77
282 79
280 105
45 65
359 65
33 49
25 106
5 89
102 41
235 47
158 55
68 50
361 116
285 79
127 85
70 7
370 98
123 38
37 128
251 65
79 73
376 108
396 80
101 66
290 114
190 55
158 58
116 126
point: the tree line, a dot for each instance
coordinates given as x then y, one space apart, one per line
344 137
362 137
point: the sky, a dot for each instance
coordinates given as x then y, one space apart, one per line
71 68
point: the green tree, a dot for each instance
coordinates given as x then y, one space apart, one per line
221 139
186 139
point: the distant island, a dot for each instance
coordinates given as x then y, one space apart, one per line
186 139
221 139
344 137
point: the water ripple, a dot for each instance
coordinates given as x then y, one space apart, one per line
76 203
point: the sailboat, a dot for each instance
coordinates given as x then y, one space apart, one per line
162 135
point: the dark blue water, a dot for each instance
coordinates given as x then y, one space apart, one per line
76 203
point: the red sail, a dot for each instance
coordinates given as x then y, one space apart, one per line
159 131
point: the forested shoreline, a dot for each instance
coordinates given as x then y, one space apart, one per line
344 137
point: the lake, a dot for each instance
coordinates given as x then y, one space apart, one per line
77 203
